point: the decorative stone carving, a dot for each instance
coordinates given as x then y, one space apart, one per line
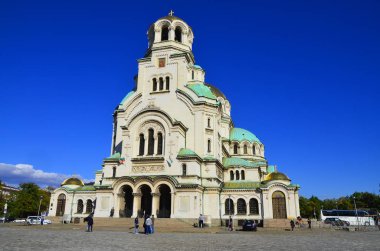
147 169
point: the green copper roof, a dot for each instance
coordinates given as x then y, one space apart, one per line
185 152
126 97
197 66
85 188
238 162
239 134
201 90
241 185
114 156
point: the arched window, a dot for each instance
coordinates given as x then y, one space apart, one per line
253 206
159 143
231 175
150 141
241 207
167 82
142 145
245 149
242 174
184 170
209 123
164 33
209 145
154 84
192 75
235 148
229 207
253 150
89 206
161 84
114 172
80 207
237 175
178 34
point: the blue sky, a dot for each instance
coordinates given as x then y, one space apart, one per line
303 76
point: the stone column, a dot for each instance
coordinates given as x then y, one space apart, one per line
155 143
157 35
155 203
172 204
119 205
136 204
171 33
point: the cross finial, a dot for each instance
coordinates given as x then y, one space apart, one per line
171 13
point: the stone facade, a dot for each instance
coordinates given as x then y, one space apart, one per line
175 152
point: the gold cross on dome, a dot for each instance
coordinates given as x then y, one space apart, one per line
171 13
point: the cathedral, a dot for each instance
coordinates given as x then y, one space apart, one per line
175 152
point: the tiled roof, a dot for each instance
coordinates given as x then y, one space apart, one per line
238 162
239 134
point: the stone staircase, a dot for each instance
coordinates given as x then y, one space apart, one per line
276 223
127 224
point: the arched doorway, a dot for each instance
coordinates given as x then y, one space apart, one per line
146 200
279 205
61 203
165 201
128 202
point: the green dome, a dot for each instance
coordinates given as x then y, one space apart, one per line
239 134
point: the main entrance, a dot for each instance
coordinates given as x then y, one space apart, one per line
165 202
146 200
279 205
61 203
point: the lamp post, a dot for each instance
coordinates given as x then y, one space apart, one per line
39 207
356 212
5 210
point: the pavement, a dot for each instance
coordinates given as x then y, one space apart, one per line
73 237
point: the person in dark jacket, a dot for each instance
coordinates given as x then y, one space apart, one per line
292 224
136 231
90 223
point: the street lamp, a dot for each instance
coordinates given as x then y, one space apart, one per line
39 207
356 212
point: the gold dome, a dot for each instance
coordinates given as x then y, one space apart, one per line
276 176
72 181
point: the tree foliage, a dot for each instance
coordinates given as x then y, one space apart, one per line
26 202
363 200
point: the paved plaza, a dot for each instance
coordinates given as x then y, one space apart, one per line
71 238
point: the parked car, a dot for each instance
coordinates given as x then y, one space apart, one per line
36 220
249 225
337 222
8 219
19 221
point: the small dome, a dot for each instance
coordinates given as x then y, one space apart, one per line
171 18
276 176
216 91
239 134
72 181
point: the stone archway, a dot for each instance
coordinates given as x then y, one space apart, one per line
61 204
279 205
146 200
165 203
127 202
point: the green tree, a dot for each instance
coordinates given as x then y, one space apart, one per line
27 201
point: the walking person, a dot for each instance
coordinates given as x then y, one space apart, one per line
230 224
136 230
90 222
200 221
148 224
292 224
309 222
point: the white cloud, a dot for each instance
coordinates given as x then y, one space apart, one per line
20 173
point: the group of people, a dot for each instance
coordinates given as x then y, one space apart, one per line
298 222
148 225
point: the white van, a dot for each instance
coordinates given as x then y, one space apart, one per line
36 220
